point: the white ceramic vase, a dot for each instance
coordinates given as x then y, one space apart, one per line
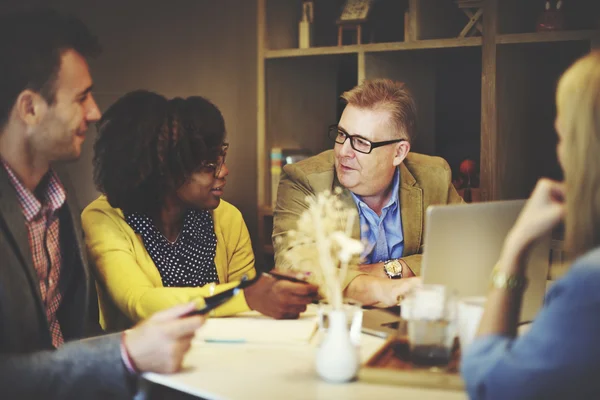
337 357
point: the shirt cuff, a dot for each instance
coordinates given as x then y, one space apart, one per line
126 358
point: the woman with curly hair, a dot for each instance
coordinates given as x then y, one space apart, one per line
161 234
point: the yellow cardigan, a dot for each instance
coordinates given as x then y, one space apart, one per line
129 285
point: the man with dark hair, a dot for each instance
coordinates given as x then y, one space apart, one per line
47 295
32 53
389 188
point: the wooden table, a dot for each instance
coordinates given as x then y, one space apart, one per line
220 371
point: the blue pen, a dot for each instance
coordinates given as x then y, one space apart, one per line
210 340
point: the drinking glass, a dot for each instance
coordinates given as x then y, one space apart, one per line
430 311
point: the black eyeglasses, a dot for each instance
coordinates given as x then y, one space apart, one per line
218 165
358 143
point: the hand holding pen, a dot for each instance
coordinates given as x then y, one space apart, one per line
298 277
276 294
281 295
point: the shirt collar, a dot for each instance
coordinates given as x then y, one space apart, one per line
392 202
53 193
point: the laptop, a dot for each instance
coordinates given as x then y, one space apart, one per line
463 243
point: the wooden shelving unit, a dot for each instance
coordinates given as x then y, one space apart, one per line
376 47
547 37
268 249
490 97
266 211
315 51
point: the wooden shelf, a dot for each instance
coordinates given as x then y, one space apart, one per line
313 51
376 47
265 211
424 44
545 37
268 249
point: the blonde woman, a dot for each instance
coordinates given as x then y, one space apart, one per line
559 357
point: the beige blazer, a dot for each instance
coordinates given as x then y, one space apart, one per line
424 180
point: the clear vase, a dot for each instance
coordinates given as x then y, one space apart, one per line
337 357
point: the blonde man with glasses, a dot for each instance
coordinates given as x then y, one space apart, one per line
389 187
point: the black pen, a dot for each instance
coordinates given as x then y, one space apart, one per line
298 278
214 301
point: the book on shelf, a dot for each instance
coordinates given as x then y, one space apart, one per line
275 173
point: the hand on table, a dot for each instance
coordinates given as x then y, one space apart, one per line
373 269
160 343
394 290
279 298
377 270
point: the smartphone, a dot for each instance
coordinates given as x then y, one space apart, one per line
212 302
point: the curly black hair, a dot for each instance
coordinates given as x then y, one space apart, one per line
148 146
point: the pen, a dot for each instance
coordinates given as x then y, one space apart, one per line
213 302
210 340
298 278
374 332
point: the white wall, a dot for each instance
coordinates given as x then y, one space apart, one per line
176 48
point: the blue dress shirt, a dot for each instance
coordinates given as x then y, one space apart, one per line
382 234
558 358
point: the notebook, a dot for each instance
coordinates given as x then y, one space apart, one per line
253 327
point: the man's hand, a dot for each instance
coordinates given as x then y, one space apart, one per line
397 289
373 269
377 269
280 298
160 343
380 292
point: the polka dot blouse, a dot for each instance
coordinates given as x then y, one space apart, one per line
190 260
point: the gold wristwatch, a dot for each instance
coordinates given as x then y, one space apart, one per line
502 280
393 268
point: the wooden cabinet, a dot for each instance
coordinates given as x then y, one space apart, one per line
489 97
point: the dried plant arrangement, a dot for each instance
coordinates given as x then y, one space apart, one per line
322 244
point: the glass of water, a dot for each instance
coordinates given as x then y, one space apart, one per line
430 312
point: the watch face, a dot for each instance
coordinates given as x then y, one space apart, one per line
394 267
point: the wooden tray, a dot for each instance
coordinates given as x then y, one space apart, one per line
391 365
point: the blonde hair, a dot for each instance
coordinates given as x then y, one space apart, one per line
578 105
387 95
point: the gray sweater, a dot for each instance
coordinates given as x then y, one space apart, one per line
86 369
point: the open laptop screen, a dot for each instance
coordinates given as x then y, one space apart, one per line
463 243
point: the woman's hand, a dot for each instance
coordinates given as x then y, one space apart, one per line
542 212
280 298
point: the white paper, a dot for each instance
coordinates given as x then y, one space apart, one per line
252 327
